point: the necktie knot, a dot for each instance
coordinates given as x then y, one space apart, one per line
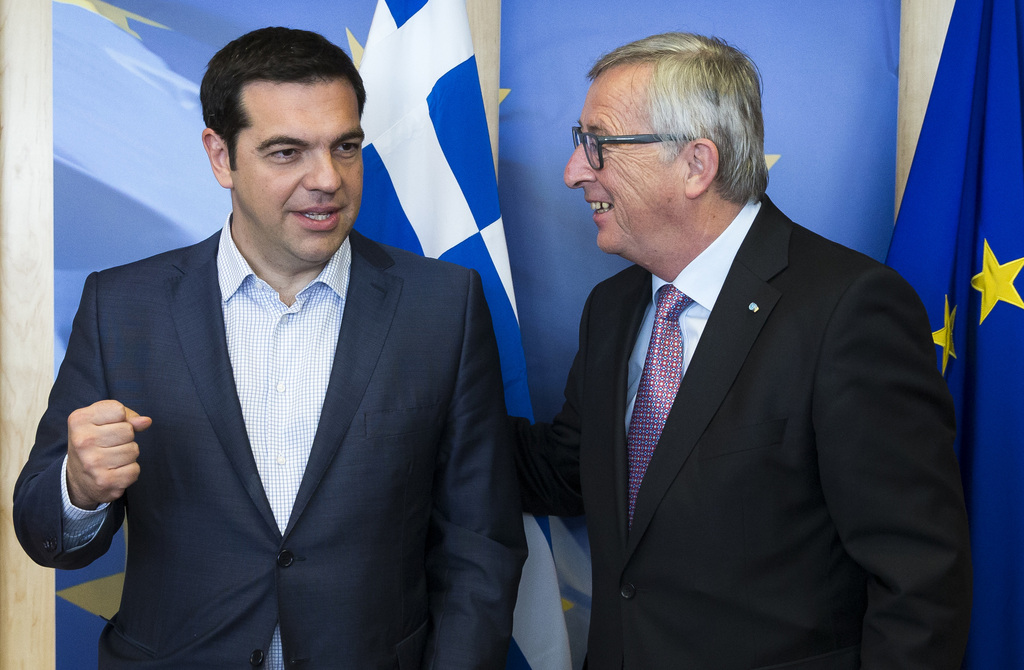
671 302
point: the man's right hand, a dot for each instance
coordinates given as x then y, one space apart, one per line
102 452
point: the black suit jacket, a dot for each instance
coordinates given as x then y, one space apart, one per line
803 508
405 541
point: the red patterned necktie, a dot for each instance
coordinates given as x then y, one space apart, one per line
658 385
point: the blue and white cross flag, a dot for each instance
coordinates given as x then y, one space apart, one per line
430 187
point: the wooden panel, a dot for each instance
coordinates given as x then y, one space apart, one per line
26 311
485 24
923 26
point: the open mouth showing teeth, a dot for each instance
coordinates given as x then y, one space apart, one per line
316 217
600 206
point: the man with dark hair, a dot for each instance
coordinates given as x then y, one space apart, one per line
754 423
304 429
258 56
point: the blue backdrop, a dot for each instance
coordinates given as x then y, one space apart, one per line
131 178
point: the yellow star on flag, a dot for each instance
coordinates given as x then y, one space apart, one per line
944 336
119 17
995 282
355 47
101 597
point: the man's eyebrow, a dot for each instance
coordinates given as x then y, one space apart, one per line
357 135
279 140
285 140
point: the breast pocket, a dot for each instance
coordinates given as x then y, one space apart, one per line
739 440
847 658
404 421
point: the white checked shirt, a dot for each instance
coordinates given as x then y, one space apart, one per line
281 357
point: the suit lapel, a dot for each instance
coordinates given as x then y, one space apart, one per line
731 330
195 302
370 307
610 471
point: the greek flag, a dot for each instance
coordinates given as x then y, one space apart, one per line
430 187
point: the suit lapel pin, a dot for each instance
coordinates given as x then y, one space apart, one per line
753 307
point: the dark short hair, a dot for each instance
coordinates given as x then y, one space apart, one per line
282 55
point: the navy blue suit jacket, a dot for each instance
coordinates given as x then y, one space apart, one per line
405 543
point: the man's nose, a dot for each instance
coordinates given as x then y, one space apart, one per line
578 169
324 173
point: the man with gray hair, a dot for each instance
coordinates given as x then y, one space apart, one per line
754 423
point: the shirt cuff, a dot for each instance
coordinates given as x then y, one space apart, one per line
80 525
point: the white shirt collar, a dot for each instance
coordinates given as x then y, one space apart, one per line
232 268
703 278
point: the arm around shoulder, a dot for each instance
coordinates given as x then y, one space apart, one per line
548 454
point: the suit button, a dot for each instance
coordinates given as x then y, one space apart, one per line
285 558
628 591
256 657
50 544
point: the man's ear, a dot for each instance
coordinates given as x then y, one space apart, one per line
220 161
701 156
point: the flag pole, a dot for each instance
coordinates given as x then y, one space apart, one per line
485 25
923 25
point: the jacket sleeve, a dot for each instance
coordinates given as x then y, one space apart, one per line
885 430
38 509
476 544
548 454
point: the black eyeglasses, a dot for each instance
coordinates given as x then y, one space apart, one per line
592 143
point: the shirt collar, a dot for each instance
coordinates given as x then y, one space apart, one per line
703 278
233 269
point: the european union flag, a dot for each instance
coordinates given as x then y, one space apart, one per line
429 186
959 240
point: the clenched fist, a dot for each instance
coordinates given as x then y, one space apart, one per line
102 452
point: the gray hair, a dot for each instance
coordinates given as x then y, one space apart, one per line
703 87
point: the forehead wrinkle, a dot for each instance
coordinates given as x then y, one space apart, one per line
273 107
621 96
